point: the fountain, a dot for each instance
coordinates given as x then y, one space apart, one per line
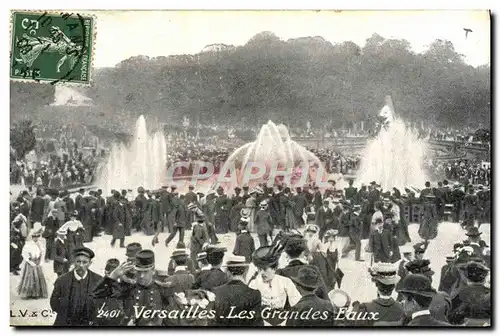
273 146
143 163
395 157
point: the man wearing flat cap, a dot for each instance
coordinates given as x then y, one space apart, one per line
417 294
71 298
144 292
390 312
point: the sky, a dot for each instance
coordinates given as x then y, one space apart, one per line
123 34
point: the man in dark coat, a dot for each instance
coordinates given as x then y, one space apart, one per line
355 228
471 206
244 245
38 207
60 254
389 311
324 219
181 217
317 199
212 275
235 298
165 202
121 220
351 192
222 207
307 281
190 197
474 239
295 249
381 243
417 292
70 205
71 298
467 303
199 237
457 196
444 281
140 206
300 202
182 280
79 202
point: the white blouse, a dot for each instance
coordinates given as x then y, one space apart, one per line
275 293
32 251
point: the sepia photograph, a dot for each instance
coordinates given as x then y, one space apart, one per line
273 168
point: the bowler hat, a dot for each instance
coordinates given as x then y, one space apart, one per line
307 277
144 260
473 232
417 284
84 251
132 249
476 272
111 264
263 257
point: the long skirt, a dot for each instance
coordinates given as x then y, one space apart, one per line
33 284
401 233
428 229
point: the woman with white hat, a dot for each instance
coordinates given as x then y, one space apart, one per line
33 284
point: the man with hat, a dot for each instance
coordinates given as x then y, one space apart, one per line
236 304
419 249
165 206
354 233
201 276
467 303
457 196
213 275
471 203
199 236
474 239
179 224
300 205
131 251
79 202
440 304
263 224
236 206
428 226
37 206
445 282
417 294
71 298
389 312
307 280
122 221
350 192
110 312
143 293
244 244
324 218
140 206
296 249
221 214
182 280
60 254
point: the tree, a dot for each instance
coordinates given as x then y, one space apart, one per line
22 138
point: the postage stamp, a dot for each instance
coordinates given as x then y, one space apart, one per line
236 169
51 47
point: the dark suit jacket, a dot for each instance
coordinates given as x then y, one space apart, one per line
311 301
209 279
59 301
244 246
242 299
389 312
180 281
60 252
324 218
37 209
318 200
427 321
292 270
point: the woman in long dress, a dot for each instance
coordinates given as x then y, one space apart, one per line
400 224
428 227
33 284
75 232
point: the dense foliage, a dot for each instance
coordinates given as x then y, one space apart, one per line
294 81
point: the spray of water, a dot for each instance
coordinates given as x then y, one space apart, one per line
395 157
143 163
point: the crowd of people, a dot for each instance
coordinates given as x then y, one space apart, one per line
311 228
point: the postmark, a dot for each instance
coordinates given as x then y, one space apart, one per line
51 47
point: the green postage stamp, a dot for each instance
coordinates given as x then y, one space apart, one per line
51 47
